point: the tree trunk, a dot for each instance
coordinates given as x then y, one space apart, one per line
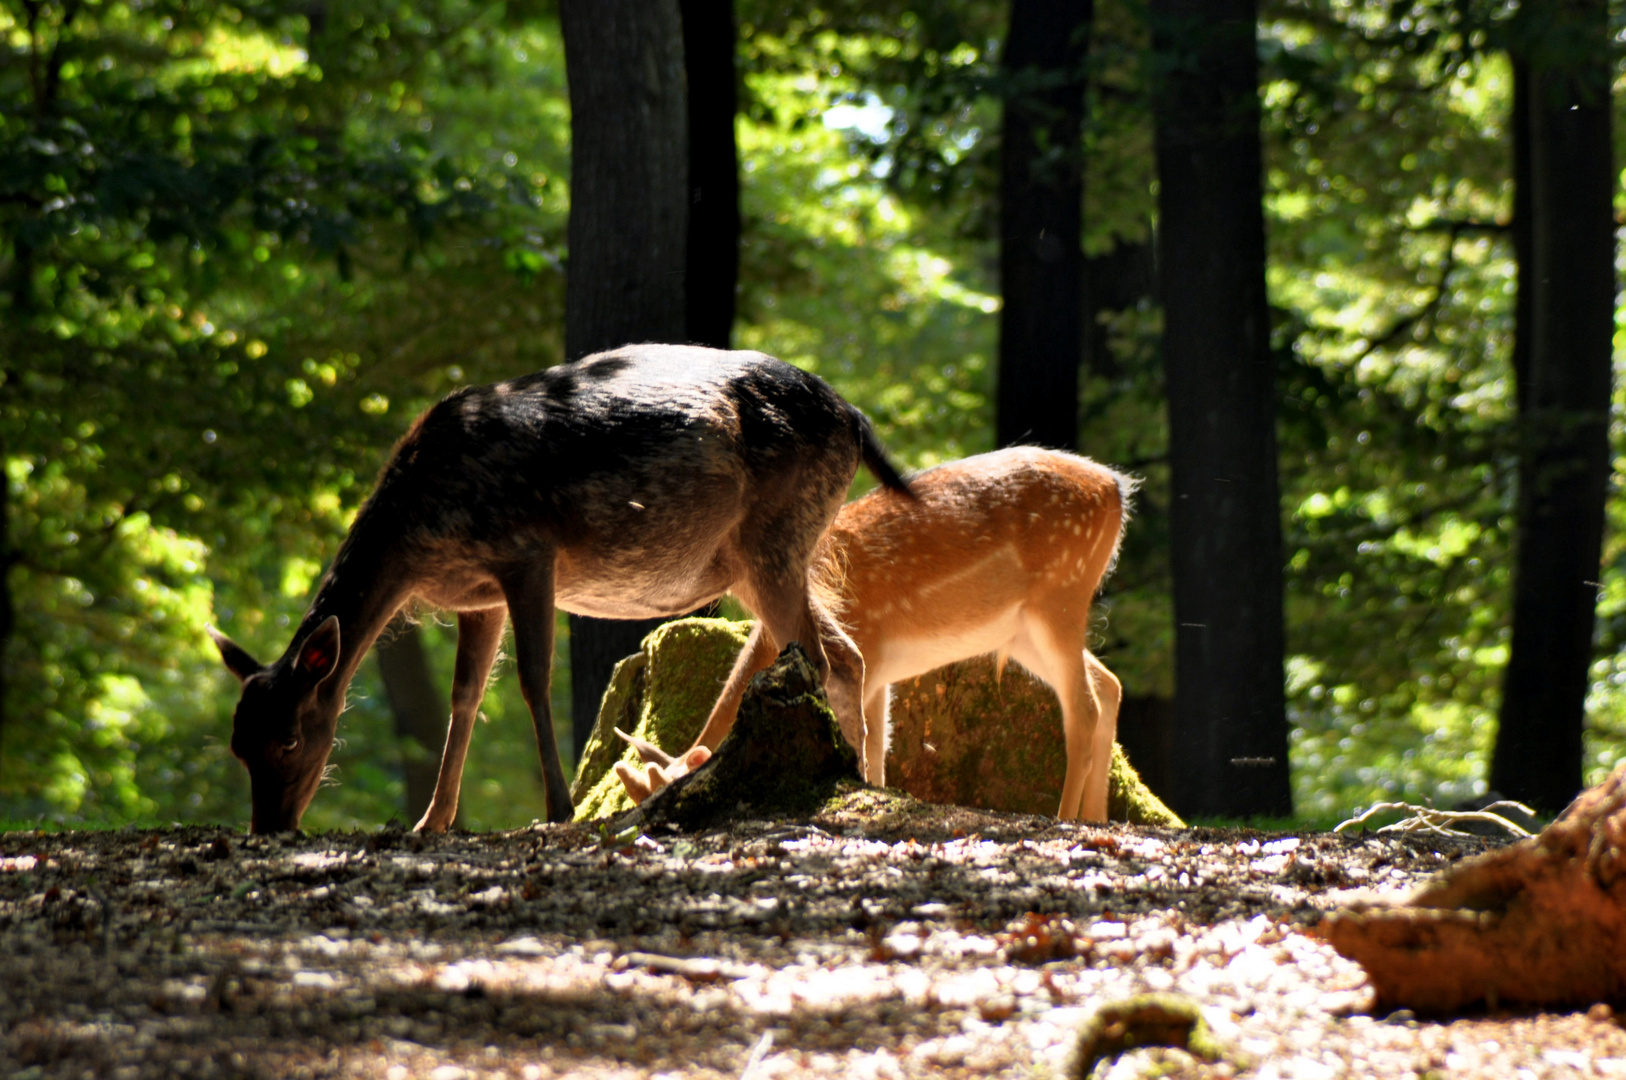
628 229
1225 517
713 256
420 711
1564 430
1041 194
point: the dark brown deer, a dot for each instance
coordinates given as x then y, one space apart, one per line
999 553
642 482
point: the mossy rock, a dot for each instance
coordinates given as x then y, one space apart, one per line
662 693
970 735
784 755
959 734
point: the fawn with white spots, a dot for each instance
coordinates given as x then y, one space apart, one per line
641 482
999 553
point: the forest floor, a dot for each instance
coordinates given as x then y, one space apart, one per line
863 942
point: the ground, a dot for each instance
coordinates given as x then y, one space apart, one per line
863 941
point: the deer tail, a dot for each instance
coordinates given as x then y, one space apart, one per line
874 455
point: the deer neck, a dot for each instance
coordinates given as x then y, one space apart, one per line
363 588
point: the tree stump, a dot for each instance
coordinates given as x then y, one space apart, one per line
1541 922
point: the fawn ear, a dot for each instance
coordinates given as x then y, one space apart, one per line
238 662
319 653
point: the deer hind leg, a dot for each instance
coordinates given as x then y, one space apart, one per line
1109 694
758 653
530 607
478 635
787 613
1058 659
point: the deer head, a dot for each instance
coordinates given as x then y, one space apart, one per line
284 724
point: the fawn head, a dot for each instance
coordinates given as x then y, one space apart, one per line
283 728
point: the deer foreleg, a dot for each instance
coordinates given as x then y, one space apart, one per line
758 653
478 635
530 607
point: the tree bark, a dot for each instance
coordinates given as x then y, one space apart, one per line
1564 429
628 230
420 711
1225 515
1041 194
713 254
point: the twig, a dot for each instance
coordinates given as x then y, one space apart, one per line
1428 819
758 1052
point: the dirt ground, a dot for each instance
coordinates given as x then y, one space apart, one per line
860 943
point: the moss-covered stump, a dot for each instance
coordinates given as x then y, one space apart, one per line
784 754
967 735
959 735
662 693
1541 922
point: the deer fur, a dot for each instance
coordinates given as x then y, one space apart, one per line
646 481
999 553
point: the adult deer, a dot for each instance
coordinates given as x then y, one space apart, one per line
999 553
642 482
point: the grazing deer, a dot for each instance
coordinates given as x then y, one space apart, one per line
642 482
999 553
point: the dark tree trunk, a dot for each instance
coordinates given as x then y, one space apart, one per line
1564 429
713 256
1522 233
421 712
7 559
628 229
1225 517
1041 192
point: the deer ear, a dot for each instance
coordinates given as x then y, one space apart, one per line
319 653
238 662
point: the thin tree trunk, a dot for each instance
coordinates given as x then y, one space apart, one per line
1225 516
420 711
713 255
1564 431
1041 194
628 230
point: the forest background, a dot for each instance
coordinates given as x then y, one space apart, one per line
260 237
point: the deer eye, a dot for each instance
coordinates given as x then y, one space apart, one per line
290 744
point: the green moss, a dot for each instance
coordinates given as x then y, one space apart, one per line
1128 799
662 693
1143 1020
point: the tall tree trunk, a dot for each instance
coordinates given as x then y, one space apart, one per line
1041 192
420 711
1225 516
7 559
1564 428
628 228
713 256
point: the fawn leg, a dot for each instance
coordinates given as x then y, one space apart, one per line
478 635
529 590
1058 659
1109 694
877 730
